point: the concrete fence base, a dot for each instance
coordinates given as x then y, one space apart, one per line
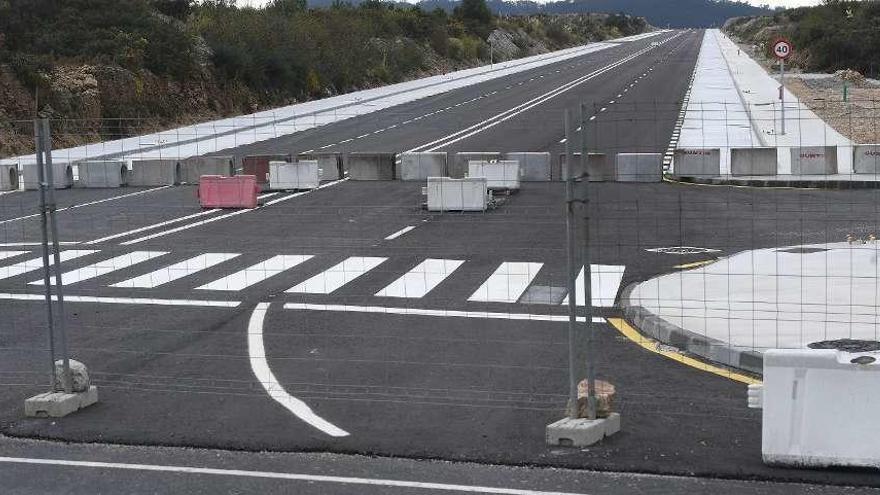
814 160
420 166
9 178
697 162
102 174
154 173
194 167
370 166
866 159
62 173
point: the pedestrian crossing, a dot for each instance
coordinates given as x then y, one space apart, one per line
508 281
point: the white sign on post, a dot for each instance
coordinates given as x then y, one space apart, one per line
782 50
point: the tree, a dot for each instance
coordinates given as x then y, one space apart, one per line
475 15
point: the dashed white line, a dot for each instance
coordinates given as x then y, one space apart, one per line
400 232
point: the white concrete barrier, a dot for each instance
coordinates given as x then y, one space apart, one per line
196 166
370 166
697 162
753 161
821 407
503 174
421 165
534 167
62 173
300 175
459 166
600 167
154 173
814 160
9 178
638 167
866 159
102 174
447 194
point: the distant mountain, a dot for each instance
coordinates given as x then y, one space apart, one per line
660 13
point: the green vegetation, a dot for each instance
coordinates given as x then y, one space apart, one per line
839 34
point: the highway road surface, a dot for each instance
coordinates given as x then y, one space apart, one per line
349 320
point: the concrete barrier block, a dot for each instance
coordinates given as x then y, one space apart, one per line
370 166
639 167
258 166
503 174
866 159
753 161
468 194
300 175
9 178
102 174
814 160
154 173
533 166
196 166
459 166
329 164
420 166
697 162
62 175
599 166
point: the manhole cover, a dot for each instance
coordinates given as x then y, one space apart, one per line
683 250
847 345
802 250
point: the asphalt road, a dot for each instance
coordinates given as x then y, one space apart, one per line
455 372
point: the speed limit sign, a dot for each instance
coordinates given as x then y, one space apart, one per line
782 48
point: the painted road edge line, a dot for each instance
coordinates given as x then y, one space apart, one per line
400 233
90 203
313 478
341 308
153 226
123 300
260 368
652 345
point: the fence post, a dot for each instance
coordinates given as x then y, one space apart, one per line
571 254
589 352
44 230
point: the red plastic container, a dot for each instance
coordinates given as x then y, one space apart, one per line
218 191
258 165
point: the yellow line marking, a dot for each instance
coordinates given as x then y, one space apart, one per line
651 345
695 264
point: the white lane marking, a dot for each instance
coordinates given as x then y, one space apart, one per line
327 146
346 141
593 117
337 275
380 130
10 254
257 273
37 263
400 232
176 271
603 109
311 478
106 266
563 140
513 112
344 308
362 136
620 95
146 301
423 278
153 226
611 102
267 195
604 282
507 283
227 215
264 375
25 244
90 203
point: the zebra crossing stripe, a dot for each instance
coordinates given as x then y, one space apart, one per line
423 278
338 275
10 254
106 266
604 282
178 270
37 263
507 283
256 273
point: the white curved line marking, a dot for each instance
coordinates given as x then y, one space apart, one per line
260 367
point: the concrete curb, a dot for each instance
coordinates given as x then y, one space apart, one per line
714 350
817 183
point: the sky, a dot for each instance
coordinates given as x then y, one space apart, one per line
772 3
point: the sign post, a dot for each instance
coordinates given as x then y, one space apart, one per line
782 50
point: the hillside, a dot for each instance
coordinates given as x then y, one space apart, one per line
837 35
124 67
673 13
